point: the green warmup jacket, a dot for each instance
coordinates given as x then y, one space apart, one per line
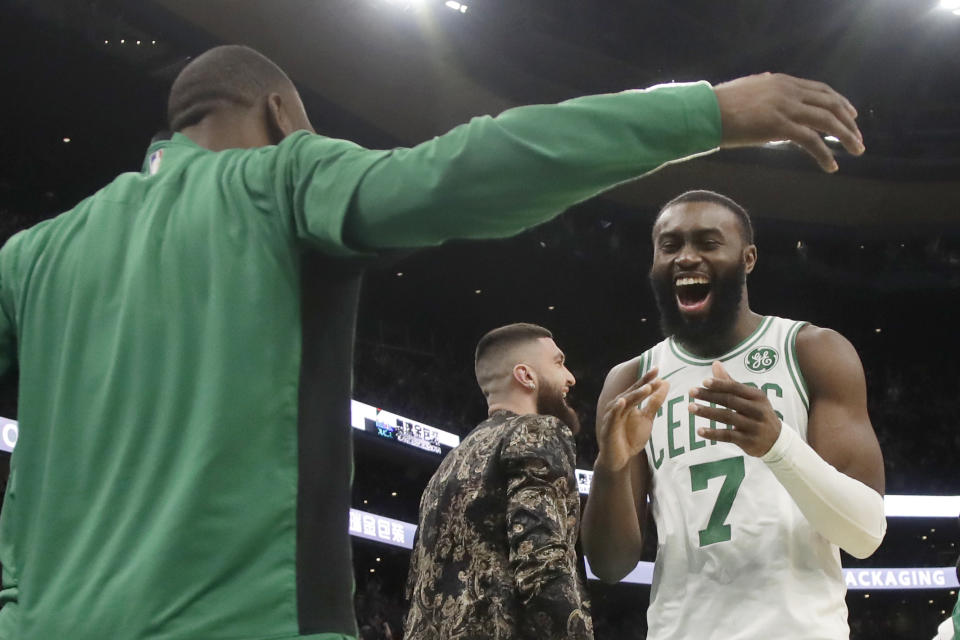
184 341
956 619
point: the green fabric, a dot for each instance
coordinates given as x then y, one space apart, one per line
548 157
956 618
157 330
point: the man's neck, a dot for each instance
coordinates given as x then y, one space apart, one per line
228 130
518 405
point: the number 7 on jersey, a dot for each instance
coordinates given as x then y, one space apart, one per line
700 474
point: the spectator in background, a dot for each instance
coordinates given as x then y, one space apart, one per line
494 555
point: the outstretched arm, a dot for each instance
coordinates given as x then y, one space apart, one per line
617 505
496 176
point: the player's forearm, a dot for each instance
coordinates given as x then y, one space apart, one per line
611 534
495 177
842 509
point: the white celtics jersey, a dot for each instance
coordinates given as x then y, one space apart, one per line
735 557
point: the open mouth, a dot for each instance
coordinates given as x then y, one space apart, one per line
693 293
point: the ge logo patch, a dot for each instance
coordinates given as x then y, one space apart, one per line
762 359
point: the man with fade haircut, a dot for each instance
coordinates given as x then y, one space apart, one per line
761 464
185 335
494 555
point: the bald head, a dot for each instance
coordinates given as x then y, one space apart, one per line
224 77
242 92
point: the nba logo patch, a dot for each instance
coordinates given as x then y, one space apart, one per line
154 162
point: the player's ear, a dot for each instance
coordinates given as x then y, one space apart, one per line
279 125
525 376
749 257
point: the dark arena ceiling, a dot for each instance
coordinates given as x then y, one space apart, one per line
395 72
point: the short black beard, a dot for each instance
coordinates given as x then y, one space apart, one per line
550 402
700 333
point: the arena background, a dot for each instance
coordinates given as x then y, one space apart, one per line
873 252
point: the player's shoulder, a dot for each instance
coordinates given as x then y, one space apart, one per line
622 376
304 147
629 371
827 359
628 367
30 242
822 342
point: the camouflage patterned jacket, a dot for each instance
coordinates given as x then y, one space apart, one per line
494 555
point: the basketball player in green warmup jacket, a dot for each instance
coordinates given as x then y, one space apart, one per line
761 462
184 336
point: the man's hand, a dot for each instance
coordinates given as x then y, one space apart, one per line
625 428
755 426
774 106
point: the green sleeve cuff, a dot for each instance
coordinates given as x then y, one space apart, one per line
698 103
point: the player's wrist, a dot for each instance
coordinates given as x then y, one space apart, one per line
608 466
781 445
